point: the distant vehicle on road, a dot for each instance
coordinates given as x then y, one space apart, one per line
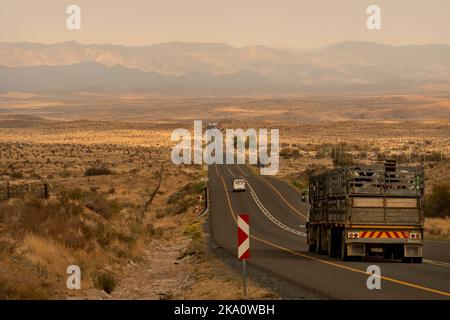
238 185
367 210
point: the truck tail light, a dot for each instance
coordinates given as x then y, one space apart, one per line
415 235
353 235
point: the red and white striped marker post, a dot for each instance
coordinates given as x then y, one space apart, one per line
244 245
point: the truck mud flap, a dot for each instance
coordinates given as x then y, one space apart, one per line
356 249
412 251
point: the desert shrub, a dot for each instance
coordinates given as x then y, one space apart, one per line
72 194
438 227
39 216
97 171
65 173
295 153
97 203
437 204
35 176
59 219
160 213
105 281
154 232
342 162
174 197
28 288
193 230
99 206
188 189
199 187
286 153
128 239
301 180
300 184
434 156
16 175
182 207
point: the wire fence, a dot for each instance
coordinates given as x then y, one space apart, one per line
10 190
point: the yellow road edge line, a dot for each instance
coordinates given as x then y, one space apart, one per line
408 284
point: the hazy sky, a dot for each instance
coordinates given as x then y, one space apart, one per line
276 23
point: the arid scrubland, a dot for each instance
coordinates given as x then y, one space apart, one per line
117 208
173 106
120 210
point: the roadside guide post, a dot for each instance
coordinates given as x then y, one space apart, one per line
244 246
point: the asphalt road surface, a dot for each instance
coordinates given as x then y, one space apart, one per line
278 244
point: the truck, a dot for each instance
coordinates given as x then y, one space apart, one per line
370 210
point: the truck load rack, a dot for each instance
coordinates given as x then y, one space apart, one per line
363 210
367 180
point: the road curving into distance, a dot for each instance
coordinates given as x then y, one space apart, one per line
278 243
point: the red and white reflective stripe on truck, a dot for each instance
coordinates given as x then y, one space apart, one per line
376 234
384 234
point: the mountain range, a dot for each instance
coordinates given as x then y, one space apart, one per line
348 66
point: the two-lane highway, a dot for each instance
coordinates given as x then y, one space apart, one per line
278 244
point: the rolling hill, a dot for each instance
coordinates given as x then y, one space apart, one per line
347 66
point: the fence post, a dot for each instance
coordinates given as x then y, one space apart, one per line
7 190
45 190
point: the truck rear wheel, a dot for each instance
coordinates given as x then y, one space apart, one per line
318 240
344 256
333 243
311 241
387 253
398 252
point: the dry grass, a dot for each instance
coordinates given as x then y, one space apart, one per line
45 253
437 228
20 283
97 222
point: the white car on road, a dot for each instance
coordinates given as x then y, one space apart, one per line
238 185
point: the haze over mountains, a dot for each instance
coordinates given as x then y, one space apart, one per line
348 66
